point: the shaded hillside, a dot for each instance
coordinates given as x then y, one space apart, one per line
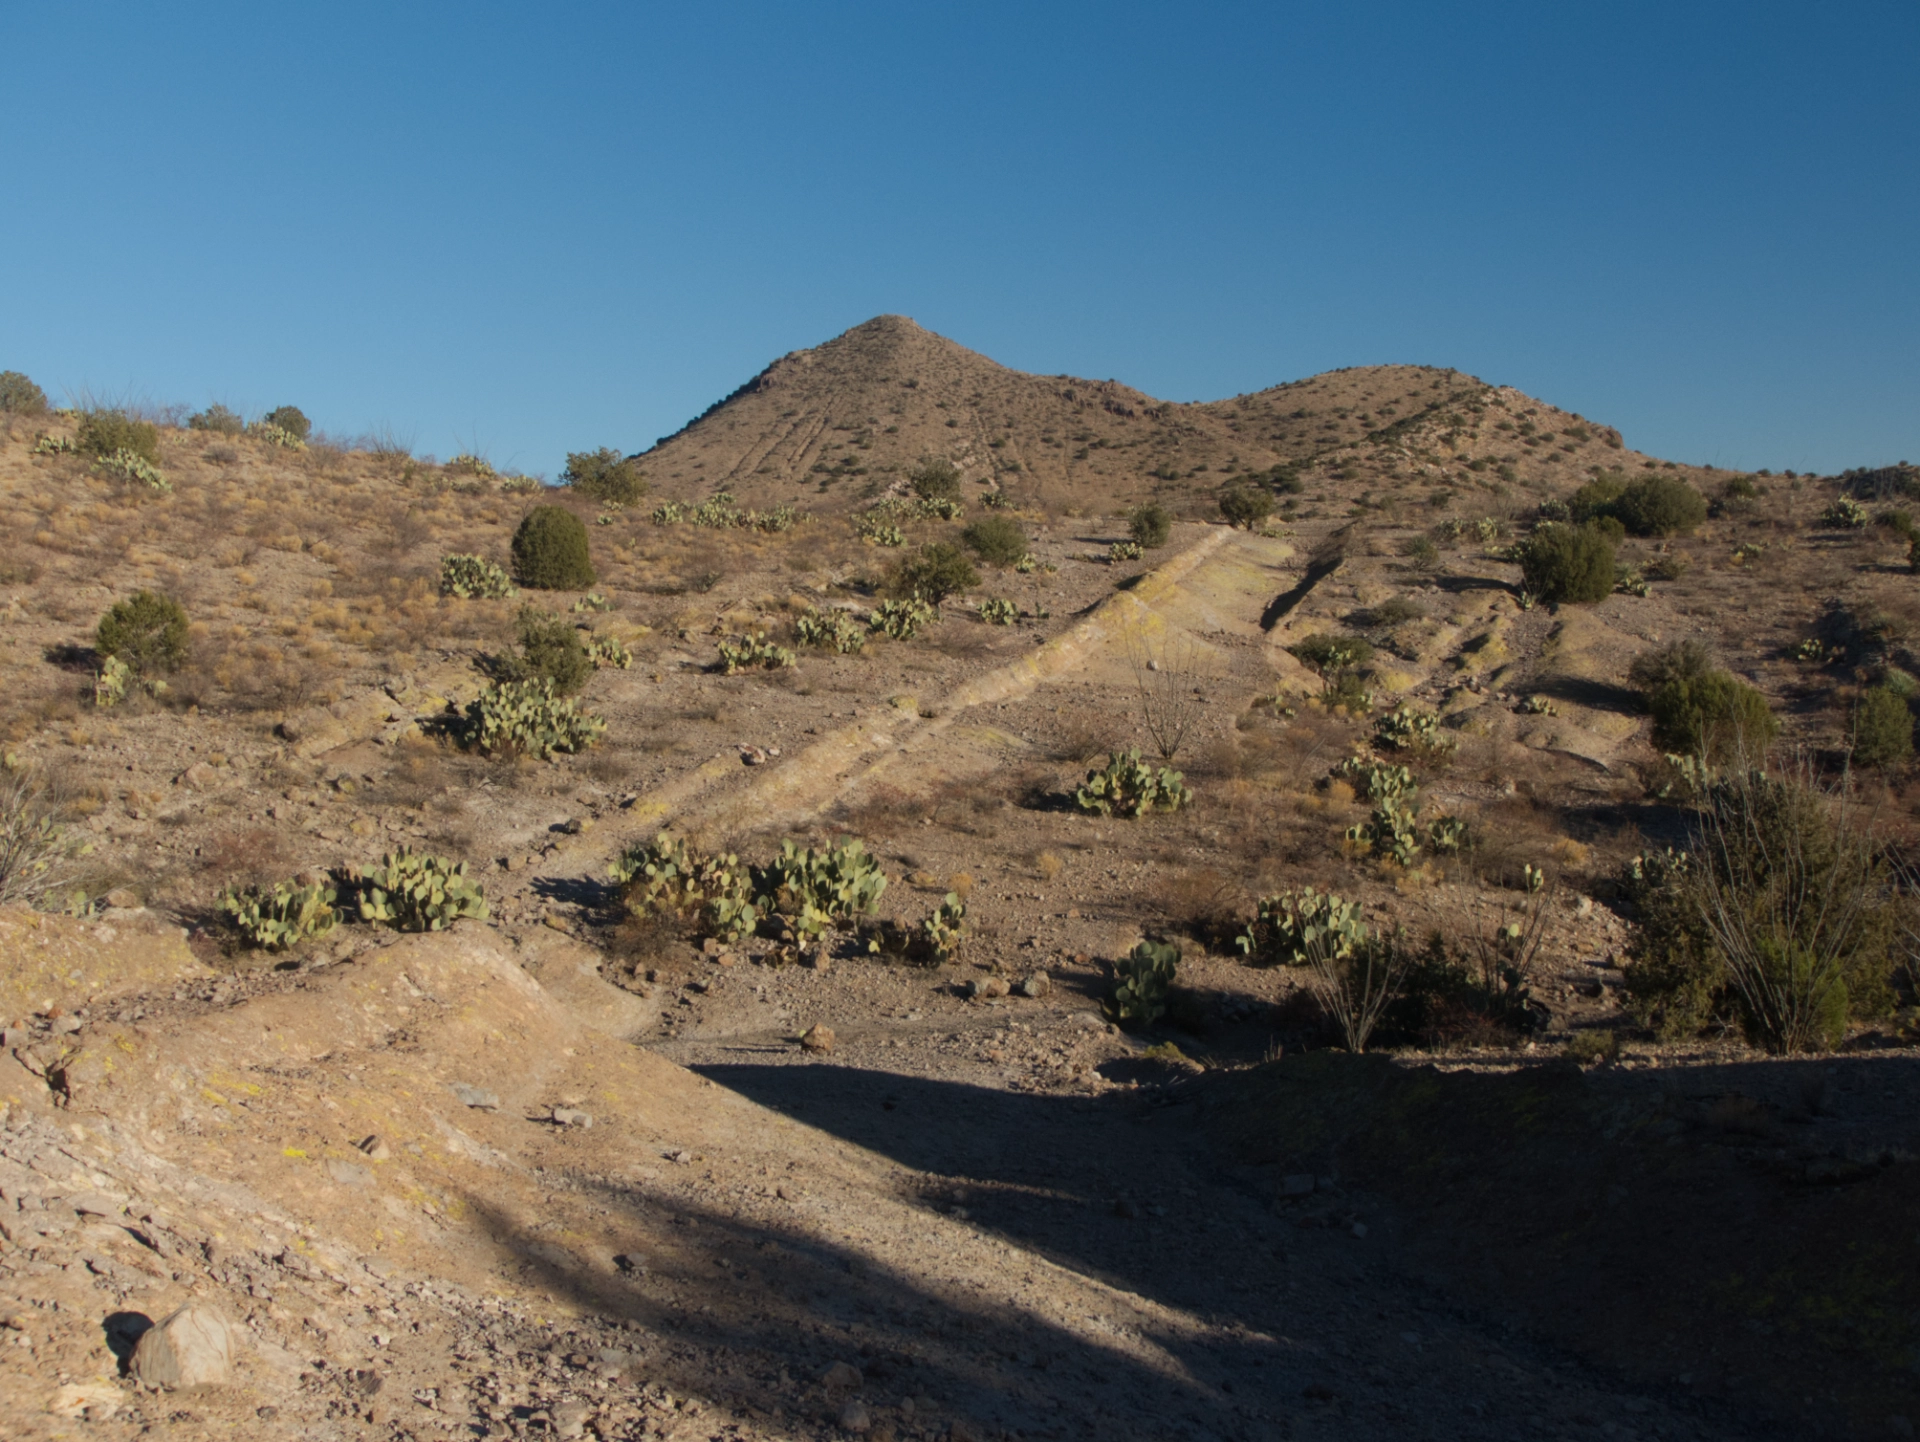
832 426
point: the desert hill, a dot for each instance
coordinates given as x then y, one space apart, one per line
829 427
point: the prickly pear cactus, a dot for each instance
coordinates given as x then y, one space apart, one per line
474 578
413 892
754 651
946 928
527 716
1292 928
1142 981
666 877
831 631
815 890
1127 786
283 915
901 620
999 611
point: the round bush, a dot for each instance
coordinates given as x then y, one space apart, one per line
1597 497
1245 506
1882 729
217 418
1567 564
1150 525
550 650
938 571
937 479
1715 716
104 432
148 631
997 540
550 551
20 395
1660 506
290 419
606 476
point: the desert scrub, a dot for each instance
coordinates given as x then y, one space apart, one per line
37 860
997 540
1882 729
103 433
1123 551
1353 973
1127 786
20 396
550 551
667 877
130 468
754 652
1150 525
217 419
935 479
606 476
282 915
1289 925
409 891
468 464
902 620
1712 716
1647 506
1780 914
551 650
875 529
1334 659
1142 981
1564 565
290 419
933 573
277 435
526 716
147 632
1845 514
475 578
1390 832
1373 780
831 631
1245 507
999 611
813 891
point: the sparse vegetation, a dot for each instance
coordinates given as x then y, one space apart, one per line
997 540
411 891
106 433
605 476
999 611
1126 786
282 915
752 653
551 650
37 863
1142 981
938 570
1150 525
526 716
475 578
831 631
1567 565
1245 507
20 396
710 893
1712 715
217 419
936 479
1882 729
292 420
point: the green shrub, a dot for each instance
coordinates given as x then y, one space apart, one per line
997 540
551 650
812 890
1121 552
218 419
550 551
20 396
1780 915
1685 660
292 420
1882 727
147 631
938 570
1563 565
999 611
102 433
1245 506
1142 981
831 631
606 476
276 436
1845 514
1390 831
1327 654
902 620
753 652
1354 975
936 479
527 716
1150 525
1421 551
667 877
283 915
1714 716
413 892
1375 780
1660 506
1126 786
1596 498
475 578
468 464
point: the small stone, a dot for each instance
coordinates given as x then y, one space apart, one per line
988 986
818 1037
375 1147
474 1097
570 1419
95 1204
575 825
94 1401
571 1117
189 1348
121 899
1073 913
855 1418
1037 985
65 1025
349 1174
821 957
841 1376
197 777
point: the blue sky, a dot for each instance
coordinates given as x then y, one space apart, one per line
529 229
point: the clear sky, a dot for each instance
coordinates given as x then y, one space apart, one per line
527 229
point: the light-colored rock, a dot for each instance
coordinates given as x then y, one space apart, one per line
855 1418
94 1401
476 1097
988 986
375 1147
818 1037
841 1376
571 1117
1037 985
349 1174
192 1347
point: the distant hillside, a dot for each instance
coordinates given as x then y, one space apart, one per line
830 427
